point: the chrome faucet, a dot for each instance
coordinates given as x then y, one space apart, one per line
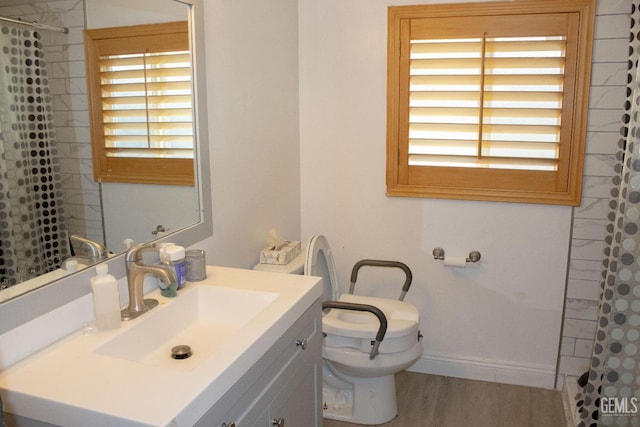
87 252
94 250
136 271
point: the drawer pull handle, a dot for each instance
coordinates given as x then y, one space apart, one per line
303 345
278 422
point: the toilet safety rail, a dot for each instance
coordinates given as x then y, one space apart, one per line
382 263
382 330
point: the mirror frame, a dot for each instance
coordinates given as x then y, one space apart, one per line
26 307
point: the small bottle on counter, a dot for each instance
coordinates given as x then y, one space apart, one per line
175 255
106 299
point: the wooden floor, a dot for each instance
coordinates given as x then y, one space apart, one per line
434 401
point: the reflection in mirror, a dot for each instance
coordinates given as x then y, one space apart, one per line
127 218
106 213
29 306
33 235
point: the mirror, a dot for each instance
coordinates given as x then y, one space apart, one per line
28 306
107 213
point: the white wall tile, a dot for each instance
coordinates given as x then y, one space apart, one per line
581 309
602 142
612 26
600 120
77 85
592 208
579 328
597 186
585 269
583 348
605 7
610 50
599 164
75 52
589 229
567 347
607 97
609 73
583 289
575 366
592 250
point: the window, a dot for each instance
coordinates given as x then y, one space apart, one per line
140 96
488 101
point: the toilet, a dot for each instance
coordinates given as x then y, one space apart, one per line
359 359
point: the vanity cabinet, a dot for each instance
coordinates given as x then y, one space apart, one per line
284 388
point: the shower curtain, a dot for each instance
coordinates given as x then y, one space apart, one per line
611 396
33 235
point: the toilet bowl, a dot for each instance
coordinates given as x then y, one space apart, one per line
358 373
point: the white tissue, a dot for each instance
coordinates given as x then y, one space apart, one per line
452 261
274 241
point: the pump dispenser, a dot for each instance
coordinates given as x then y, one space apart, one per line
174 255
106 299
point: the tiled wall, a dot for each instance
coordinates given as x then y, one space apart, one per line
65 62
605 111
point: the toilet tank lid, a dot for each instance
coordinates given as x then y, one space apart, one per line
295 266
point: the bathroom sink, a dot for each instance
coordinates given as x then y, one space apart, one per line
230 320
204 318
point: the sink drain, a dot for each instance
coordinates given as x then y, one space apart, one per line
181 352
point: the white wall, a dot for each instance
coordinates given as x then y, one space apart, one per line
133 211
252 90
497 320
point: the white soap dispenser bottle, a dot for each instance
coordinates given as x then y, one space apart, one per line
106 299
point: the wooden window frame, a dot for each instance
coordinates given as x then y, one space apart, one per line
132 39
561 187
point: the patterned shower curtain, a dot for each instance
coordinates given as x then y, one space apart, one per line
612 394
33 235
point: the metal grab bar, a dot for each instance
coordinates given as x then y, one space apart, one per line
381 263
382 330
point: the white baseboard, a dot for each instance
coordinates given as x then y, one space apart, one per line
487 370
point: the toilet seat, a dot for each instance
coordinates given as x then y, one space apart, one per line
356 329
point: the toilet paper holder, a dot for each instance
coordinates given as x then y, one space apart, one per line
474 256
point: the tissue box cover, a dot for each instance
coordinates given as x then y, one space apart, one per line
281 254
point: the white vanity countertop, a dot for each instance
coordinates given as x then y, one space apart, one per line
69 383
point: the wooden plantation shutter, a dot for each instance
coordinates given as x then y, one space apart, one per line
488 101
141 95
497 105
